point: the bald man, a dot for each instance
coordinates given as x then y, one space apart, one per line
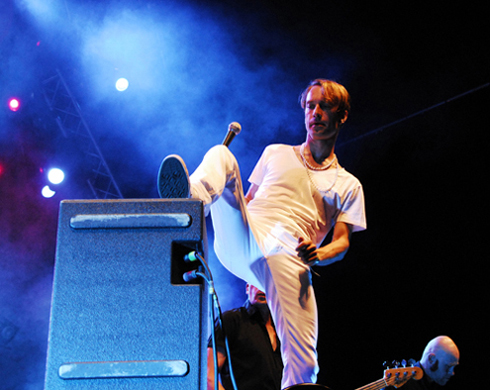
438 361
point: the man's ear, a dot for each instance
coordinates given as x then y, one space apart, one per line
433 362
344 118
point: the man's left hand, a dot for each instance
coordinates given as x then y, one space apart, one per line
307 251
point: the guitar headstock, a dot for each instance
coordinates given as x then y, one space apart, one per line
398 376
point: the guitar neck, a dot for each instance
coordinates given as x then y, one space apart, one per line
379 384
395 377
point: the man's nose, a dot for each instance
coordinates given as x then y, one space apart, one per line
317 111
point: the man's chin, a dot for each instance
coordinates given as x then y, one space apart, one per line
442 381
322 135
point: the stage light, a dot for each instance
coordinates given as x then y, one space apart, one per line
56 175
14 104
122 84
47 192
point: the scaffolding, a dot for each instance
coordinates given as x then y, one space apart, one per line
69 119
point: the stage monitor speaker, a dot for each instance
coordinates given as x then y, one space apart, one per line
122 316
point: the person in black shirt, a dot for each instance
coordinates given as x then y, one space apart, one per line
254 347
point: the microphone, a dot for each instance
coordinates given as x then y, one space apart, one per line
234 128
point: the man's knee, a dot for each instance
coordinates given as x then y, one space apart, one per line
304 370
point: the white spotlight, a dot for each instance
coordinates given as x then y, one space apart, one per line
14 104
122 84
56 175
47 192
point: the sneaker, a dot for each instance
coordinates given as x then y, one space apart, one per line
173 178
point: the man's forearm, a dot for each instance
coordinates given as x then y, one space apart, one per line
332 252
221 360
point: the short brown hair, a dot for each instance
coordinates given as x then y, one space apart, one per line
334 94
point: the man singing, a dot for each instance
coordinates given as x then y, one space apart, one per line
273 235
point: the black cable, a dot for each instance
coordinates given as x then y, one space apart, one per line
411 116
214 302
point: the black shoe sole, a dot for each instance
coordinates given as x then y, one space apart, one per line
173 178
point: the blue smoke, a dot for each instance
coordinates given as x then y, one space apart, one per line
192 70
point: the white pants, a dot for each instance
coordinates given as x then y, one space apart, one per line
280 274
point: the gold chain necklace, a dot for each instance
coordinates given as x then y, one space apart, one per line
308 167
323 168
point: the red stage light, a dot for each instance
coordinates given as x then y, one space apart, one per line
14 104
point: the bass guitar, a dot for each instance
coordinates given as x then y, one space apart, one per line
395 377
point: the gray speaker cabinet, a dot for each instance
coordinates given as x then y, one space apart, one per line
122 316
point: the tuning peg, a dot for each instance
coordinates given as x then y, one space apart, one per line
404 363
412 362
395 363
386 365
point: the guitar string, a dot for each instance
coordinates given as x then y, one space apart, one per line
379 384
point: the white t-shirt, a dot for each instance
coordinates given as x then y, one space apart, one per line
288 204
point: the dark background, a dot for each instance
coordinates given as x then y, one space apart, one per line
416 138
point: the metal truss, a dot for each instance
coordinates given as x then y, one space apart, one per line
69 118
